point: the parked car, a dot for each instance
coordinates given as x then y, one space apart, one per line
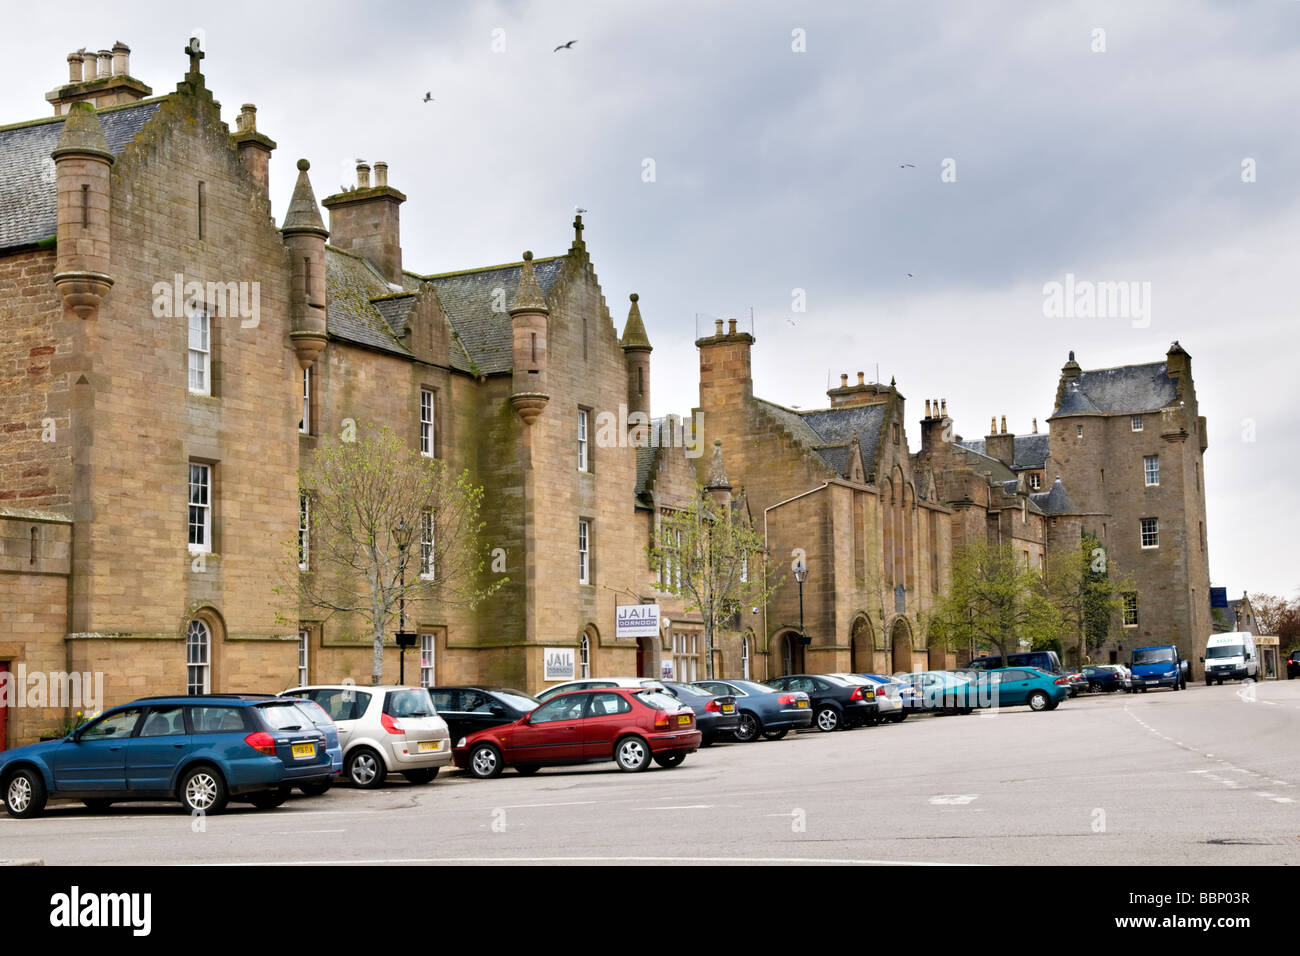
1293 665
941 691
908 695
202 750
889 706
1044 660
762 710
836 704
715 714
384 729
325 724
1158 666
592 683
467 710
631 726
1105 678
1076 681
1017 686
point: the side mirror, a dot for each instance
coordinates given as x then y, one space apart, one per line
526 718
497 710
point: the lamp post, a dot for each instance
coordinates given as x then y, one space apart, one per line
800 568
402 535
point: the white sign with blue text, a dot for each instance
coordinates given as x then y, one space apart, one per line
637 620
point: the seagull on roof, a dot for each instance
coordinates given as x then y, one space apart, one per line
428 97
564 46
579 209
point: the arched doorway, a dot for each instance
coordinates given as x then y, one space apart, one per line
791 653
647 661
901 646
861 644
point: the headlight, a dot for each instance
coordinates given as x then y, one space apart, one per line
460 744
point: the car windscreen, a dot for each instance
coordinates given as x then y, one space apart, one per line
659 700
520 702
753 688
286 716
1153 655
686 691
1225 650
409 703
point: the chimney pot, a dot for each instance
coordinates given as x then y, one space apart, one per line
121 59
717 326
1035 426
844 380
1004 424
993 424
105 58
927 408
363 175
74 67
944 411
247 119
381 174
731 326
862 378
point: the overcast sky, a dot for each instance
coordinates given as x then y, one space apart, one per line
776 170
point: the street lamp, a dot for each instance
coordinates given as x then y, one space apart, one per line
402 535
800 568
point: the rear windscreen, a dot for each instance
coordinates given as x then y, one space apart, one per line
409 703
286 716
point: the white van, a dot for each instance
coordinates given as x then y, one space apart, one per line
1231 655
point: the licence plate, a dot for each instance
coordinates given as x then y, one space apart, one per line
1153 682
803 703
683 719
728 708
304 750
430 745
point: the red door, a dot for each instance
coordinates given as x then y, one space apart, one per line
4 709
552 734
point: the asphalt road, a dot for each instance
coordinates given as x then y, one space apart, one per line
1198 777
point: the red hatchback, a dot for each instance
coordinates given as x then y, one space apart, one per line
629 725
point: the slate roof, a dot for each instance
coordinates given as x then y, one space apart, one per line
1127 390
467 299
27 196
829 432
1029 451
982 462
645 460
351 314
1055 500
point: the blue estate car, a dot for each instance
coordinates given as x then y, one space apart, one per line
201 750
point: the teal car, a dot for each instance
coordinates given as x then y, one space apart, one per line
1017 686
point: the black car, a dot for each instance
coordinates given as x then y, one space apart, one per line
835 703
1104 677
715 714
1293 664
763 710
468 710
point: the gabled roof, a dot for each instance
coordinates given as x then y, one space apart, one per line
352 315
829 432
468 298
1029 451
27 189
1127 390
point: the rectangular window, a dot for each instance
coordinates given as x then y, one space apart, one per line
584 552
582 440
200 350
1151 467
744 568
427 551
1150 533
426 423
1035 481
304 424
200 516
426 660
1131 609
686 658
1078 431
1136 423
303 679
304 532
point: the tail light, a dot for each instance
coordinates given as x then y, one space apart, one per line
1061 680
713 706
661 721
857 694
786 700
262 742
392 725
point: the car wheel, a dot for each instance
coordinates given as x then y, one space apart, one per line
420 776
485 761
25 793
632 754
365 768
1052 705
749 728
899 717
527 769
828 719
775 734
98 804
1208 682
966 710
1038 700
668 761
1220 682
314 789
203 790
269 799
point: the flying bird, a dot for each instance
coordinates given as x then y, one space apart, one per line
906 166
428 97
579 209
790 320
909 275
564 46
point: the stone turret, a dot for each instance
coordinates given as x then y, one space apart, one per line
528 323
636 355
81 163
304 236
717 485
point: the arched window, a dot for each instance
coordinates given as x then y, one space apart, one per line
198 658
584 656
744 657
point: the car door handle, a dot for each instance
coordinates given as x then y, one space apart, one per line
114 749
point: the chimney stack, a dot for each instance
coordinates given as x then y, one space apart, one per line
367 221
100 79
254 148
1001 446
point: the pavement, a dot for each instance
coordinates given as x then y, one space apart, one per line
1206 776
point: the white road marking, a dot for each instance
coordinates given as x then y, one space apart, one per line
693 806
479 860
960 799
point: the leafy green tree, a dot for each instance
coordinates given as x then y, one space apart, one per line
387 526
1087 591
710 555
994 602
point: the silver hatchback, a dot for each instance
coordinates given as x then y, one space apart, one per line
384 729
